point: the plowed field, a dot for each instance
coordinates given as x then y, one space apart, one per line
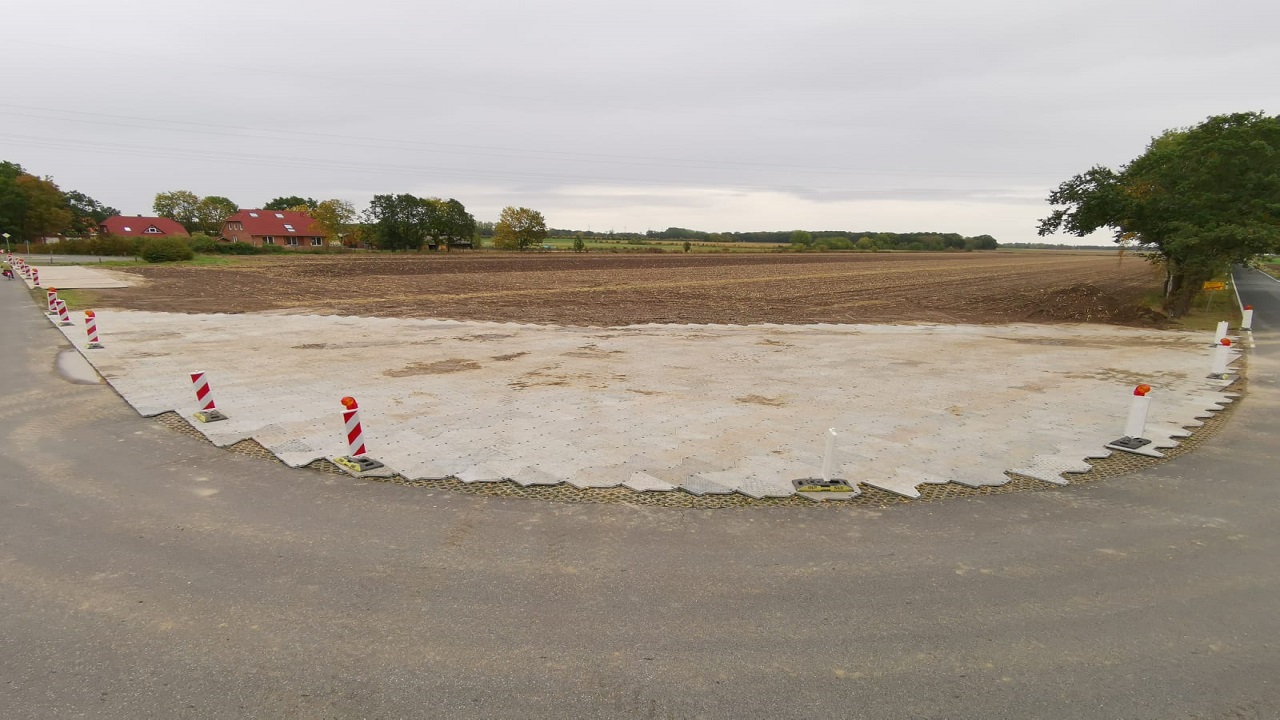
617 289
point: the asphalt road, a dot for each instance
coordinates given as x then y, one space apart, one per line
144 574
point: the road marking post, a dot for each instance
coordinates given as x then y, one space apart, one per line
1246 318
1135 426
64 318
35 277
1221 358
52 296
356 461
1220 333
825 484
209 411
91 329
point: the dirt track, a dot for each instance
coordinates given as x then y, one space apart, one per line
617 289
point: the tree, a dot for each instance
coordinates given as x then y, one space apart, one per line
334 218
399 222
211 211
518 228
45 209
801 237
13 203
459 225
180 205
291 202
1199 199
86 213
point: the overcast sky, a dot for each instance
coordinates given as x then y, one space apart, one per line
938 115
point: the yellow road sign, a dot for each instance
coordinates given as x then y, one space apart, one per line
1215 286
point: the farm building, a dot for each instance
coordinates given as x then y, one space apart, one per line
141 226
288 228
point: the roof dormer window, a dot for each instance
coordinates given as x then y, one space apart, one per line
253 214
280 215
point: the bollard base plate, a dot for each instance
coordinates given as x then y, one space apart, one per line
1218 376
95 346
358 464
208 416
1129 443
819 485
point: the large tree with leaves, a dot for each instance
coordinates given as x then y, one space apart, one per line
291 202
334 219
86 213
519 228
399 222
1199 199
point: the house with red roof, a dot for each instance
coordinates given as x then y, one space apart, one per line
288 228
141 226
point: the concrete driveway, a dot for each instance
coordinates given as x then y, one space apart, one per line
147 574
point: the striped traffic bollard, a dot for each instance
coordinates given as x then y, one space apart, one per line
91 329
1246 318
35 277
356 460
52 296
355 431
1135 425
64 318
1221 358
1220 332
208 411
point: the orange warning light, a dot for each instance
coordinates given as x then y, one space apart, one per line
1142 390
89 313
349 403
1226 341
1248 307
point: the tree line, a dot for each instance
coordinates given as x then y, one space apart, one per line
837 239
34 207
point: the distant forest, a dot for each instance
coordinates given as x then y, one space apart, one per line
818 239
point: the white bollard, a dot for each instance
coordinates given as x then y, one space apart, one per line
1246 318
1220 333
1221 357
1136 424
828 459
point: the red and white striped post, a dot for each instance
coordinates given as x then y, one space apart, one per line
204 395
1246 318
35 277
64 318
91 329
1221 357
355 433
208 412
52 296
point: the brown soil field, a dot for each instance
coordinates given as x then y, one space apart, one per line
606 289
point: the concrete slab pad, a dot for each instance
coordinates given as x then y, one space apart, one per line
711 409
76 276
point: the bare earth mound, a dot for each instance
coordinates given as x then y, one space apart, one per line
607 289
